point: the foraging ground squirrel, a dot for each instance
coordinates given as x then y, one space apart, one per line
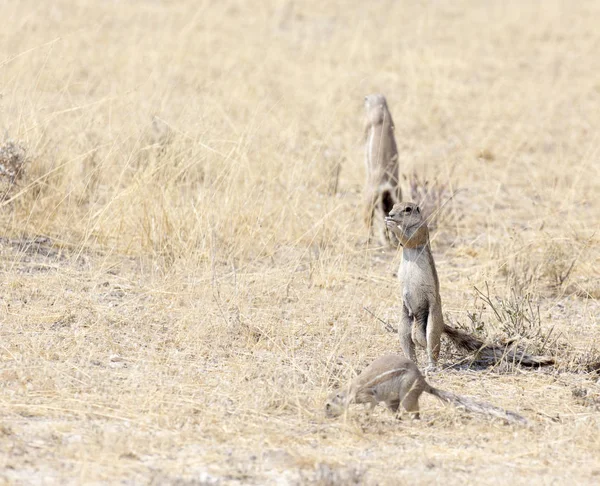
422 321
381 159
397 381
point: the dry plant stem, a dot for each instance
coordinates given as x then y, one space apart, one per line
519 319
386 325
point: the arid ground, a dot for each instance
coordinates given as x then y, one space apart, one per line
184 268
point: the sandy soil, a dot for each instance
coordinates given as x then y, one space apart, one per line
184 267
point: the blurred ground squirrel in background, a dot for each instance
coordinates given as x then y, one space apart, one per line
397 381
382 188
422 321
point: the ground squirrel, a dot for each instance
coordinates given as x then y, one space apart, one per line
396 381
381 159
422 321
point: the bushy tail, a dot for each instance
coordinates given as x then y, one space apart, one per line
493 352
477 407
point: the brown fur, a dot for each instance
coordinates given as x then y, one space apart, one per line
422 321
397 381
382 190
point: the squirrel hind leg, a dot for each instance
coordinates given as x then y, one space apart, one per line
409 399
419 334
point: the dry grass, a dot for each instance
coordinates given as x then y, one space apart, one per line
183 278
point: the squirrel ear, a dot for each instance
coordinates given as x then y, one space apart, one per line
418 210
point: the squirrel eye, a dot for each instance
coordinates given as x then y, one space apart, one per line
328 406
408 210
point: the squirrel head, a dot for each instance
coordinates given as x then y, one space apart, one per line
407 223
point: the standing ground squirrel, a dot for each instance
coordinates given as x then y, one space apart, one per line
396 381
381 159
422 321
